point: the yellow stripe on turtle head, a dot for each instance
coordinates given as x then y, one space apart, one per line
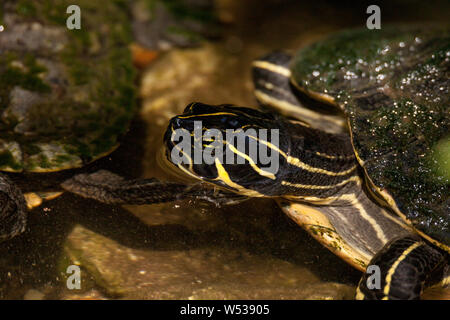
222 175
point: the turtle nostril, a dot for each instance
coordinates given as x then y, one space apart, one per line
179 123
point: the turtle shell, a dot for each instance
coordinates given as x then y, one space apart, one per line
393 84
66 95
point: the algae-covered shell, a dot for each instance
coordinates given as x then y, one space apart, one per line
393 84
66 95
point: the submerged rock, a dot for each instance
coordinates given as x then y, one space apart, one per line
204 273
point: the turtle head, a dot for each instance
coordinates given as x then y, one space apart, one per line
233 147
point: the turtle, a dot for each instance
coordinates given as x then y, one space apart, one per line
67 92
66 97
351 131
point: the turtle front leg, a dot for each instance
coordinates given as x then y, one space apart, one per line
107 187
407 265
13 210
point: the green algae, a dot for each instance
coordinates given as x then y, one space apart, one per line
393 84
440 159
12 76
98 64
7 159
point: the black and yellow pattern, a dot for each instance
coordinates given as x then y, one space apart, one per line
326 180
316 168
318 184
272 77
324 167
407 266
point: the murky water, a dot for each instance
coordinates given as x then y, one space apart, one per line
192 250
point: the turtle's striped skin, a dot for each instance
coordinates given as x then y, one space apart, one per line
336 185
318 182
